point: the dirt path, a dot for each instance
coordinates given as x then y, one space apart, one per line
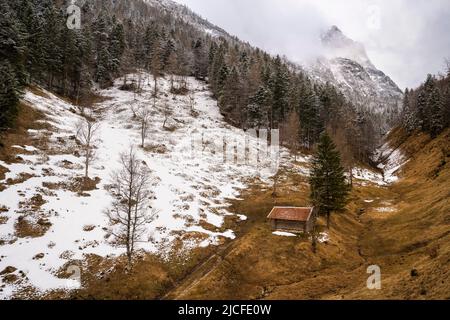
201 270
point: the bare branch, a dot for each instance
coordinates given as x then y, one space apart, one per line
131 210
87 132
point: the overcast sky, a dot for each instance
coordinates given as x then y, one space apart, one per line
407 39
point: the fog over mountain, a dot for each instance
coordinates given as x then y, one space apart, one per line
406 40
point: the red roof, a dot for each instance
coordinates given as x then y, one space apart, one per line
290 213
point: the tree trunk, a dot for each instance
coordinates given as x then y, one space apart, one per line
314 241
129 235
86 164
143 136
351 177
328 219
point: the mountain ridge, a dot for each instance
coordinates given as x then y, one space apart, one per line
345 64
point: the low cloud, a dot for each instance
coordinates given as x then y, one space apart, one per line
405 39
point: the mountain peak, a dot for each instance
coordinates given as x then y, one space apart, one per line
338 45
334 30
346 64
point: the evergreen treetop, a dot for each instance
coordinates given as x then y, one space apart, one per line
329 188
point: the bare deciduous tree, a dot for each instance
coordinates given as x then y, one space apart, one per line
276 180
87 131
191 101
143 114
291 132
138 88
155 70
344 148
172 69
167 112
131 209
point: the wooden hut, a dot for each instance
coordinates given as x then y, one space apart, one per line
293 219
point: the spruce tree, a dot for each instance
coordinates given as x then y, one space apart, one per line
10 93
200 60
103 56
279 86
436 113
12 74
53 43
116 46
329 189
309 111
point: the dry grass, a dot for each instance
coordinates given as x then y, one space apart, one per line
24 228
413 238
261 265
26 119
416 236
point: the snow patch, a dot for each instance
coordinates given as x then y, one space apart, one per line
283 234
385 209
323 237
190 187
390 161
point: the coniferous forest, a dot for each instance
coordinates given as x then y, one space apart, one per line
427 108
253 88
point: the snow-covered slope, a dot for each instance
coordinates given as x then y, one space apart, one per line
390 160
196 162
345 64
188 16
192 181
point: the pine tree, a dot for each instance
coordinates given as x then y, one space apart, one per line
217 69
229 100
53 44
309 112
103 56
258 110
12 74
329 189
10 93
279 86
408 114
167 52
436 112
116 46
200 60
150 39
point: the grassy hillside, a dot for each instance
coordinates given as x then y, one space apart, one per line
412 243
405 230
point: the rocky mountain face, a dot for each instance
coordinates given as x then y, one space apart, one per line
345 64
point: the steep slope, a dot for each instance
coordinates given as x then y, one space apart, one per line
403 228
47 220
188 16
412 237
345 64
